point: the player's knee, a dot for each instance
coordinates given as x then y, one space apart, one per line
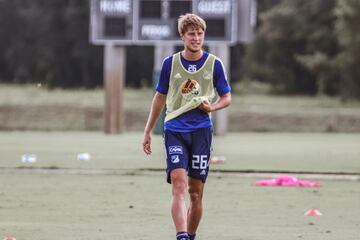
178 187
195 195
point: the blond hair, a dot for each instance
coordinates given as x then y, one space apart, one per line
190 20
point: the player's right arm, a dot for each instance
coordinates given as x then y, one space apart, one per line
157 106
158 103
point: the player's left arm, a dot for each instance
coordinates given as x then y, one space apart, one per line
222 87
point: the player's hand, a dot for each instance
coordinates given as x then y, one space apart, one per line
206 106
147 143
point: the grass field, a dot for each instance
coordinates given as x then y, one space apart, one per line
94 207
318 152
116 195
122 194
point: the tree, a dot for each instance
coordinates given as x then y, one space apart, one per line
47 41
348 35
288 32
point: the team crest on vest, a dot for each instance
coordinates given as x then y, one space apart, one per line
190 89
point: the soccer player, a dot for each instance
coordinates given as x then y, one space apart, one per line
187 86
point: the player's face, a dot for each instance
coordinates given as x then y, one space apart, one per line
193 39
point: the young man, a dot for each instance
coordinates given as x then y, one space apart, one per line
187 86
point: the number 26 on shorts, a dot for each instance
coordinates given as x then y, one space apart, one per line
199 162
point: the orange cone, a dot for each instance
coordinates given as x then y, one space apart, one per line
313 213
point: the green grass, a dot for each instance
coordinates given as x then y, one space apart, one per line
111 197
92 207
306 152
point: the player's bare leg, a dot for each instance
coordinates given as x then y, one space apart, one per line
178 208
196 189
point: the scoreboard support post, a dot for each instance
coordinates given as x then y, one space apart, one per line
114 78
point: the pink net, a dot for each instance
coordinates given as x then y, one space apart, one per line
287 181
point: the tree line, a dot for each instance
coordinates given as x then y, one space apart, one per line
301 47
308 47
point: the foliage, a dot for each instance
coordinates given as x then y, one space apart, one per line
139 56
309 47
47 41
348 35
301 47
288 30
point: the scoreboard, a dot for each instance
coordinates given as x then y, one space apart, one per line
144 22
118 23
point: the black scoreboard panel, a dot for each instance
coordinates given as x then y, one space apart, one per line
111 20
178 8
216 28
150 9
145 22
114 27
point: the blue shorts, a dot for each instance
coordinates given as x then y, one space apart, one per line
190 151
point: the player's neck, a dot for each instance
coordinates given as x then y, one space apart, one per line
190 55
